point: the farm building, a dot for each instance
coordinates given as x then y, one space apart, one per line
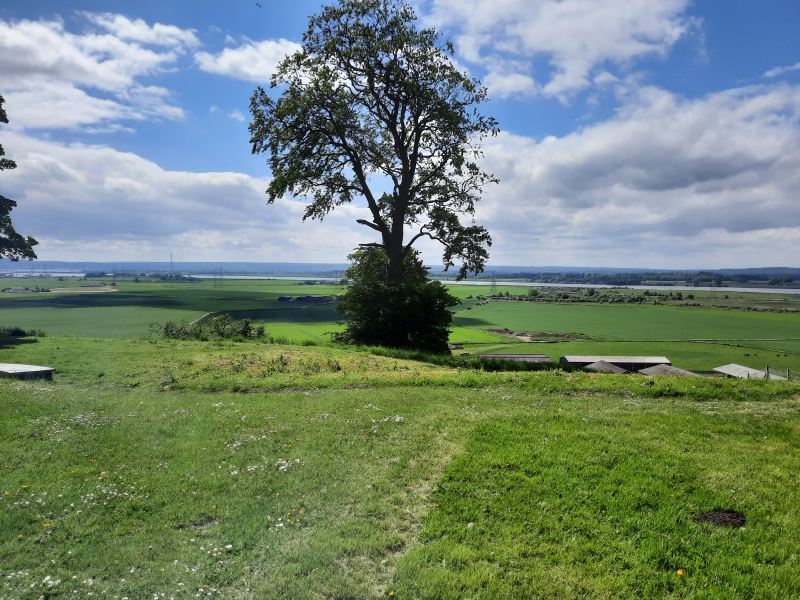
742 372
602 366
629 363
667 370
530 358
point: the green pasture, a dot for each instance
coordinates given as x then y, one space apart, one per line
145 470
132 309
632 321
748 337
755 339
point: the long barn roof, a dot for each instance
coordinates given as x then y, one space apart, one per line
743 372
661 360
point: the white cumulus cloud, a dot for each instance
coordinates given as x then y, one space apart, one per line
668 181
84 202
575 37
53 78
252 61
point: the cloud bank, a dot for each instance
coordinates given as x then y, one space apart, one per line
55 79
575 38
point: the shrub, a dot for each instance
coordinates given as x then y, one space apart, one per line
14 331
217 327
411 313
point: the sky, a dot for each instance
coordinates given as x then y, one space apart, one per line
634 133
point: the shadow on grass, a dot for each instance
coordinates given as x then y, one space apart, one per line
186 299
14 336
470 321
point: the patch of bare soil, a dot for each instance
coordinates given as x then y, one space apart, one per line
540 336
722 518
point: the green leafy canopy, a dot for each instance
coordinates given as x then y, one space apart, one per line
372 103
12 244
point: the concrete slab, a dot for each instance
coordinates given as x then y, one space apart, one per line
25 371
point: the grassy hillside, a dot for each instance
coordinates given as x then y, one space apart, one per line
145 470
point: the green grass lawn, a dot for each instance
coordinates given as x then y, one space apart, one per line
143 471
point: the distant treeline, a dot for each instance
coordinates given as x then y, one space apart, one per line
700 278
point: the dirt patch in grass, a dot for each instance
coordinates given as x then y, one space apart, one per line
722 518
540 336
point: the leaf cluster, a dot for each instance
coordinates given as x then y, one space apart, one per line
12 244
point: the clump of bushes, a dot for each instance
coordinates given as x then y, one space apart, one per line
19 332
218 327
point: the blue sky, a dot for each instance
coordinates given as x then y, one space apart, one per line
634 132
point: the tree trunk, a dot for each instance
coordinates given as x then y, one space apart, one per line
395 253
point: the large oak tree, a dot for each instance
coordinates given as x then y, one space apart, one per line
373 107
12 244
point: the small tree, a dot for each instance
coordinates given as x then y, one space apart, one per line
373 107
12 244
411 313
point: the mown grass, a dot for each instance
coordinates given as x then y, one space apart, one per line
517 516
142 470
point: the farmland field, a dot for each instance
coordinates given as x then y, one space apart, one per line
695 337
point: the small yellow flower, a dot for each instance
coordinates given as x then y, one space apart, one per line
680 572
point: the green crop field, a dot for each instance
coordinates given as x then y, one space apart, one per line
753 338
166 469
633 322
692 337
132 309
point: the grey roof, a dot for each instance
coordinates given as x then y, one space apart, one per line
667 370
656 360
602 366
535 358
742 372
